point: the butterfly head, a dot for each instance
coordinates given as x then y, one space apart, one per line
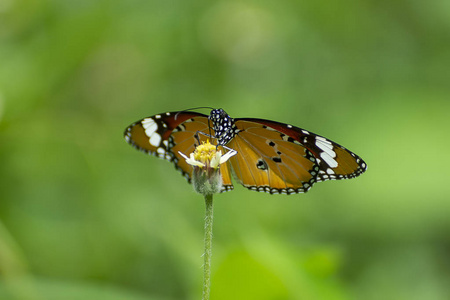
223 126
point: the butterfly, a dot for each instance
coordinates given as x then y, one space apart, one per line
271 157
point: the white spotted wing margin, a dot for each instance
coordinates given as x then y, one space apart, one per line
335 161
165 134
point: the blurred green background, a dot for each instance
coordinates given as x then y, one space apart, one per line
85 216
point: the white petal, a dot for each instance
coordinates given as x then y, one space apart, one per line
191 160
184 156
194 162
215 161
227 156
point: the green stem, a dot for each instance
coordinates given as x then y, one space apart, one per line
208 246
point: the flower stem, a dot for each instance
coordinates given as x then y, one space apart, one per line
208 246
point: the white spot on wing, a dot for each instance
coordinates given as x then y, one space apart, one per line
150 126
155 139
329 160
323 139
326 146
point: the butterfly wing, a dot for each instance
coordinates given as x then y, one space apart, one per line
279 158
165 134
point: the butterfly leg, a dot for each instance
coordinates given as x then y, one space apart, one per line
232 151
197 137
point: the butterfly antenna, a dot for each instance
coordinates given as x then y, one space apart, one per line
200 107
190 109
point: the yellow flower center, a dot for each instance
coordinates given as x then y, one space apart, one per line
205 152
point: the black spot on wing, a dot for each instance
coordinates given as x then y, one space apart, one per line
276 159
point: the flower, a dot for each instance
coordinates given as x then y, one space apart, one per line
206 161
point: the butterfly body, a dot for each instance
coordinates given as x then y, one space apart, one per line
271 157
